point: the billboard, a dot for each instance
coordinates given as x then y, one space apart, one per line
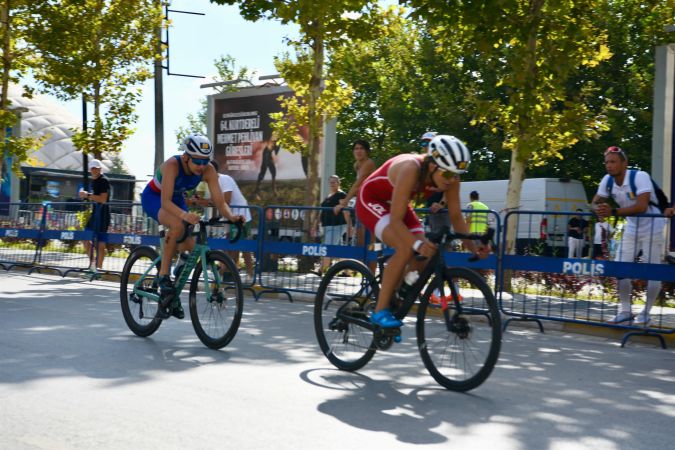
246 149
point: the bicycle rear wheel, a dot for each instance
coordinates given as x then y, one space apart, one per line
347 289
216 310
460 338
139 312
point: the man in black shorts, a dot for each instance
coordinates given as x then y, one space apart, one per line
99 196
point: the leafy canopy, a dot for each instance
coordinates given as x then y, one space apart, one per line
100 49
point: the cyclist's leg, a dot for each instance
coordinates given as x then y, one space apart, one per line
176 228
398 239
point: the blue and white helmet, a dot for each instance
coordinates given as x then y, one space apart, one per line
449 153
197 145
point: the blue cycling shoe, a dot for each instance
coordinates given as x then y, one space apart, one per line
385 319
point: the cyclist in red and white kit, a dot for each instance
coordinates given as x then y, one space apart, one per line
383 206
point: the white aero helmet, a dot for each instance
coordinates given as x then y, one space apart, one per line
197 145
449 153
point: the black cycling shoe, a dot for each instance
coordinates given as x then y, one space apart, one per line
177 310
167 296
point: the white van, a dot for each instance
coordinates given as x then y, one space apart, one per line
537 194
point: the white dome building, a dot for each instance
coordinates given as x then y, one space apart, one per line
57 176
45 117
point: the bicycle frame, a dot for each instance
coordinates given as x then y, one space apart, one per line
432 268
198 252
435 266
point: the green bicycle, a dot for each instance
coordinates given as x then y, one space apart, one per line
216 295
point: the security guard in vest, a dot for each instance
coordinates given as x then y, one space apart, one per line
477 221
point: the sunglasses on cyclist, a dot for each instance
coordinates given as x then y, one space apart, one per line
615 150
199 161
444 173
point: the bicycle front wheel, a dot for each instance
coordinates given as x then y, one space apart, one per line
347 290
216 307
459 335
139 312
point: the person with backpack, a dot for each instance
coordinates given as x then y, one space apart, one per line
628 192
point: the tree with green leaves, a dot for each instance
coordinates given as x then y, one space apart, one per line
523 59
323 26
227 70
401 90
101 49
16 18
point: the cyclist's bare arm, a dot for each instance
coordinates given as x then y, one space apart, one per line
211 178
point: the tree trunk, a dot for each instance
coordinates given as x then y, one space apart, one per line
6 65
516 176
98 122
312 192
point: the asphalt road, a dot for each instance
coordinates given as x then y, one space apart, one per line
72 376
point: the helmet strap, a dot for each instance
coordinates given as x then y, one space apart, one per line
186 164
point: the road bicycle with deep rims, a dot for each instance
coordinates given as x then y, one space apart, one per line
215 296
458 320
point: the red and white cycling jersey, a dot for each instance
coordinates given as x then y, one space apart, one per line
373 205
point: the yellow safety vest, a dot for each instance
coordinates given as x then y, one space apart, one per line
479 220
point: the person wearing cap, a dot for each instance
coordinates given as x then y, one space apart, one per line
646 234
477 219
426 138
100 217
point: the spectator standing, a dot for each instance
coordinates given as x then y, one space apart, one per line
602 235
233 196
640 234
100 215
576 230
477 219
334 225
363 166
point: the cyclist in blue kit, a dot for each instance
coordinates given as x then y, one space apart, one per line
163 200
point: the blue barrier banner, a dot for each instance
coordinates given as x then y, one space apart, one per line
128 239
590 267
307 249
68 235
242 245
458 259
19 233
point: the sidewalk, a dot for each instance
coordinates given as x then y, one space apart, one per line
73 376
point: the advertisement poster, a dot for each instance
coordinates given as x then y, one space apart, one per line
246 148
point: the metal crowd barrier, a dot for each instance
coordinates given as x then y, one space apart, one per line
534 281
246 249
62 236
539 282
291 250
20 230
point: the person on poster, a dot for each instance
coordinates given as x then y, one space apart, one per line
270 151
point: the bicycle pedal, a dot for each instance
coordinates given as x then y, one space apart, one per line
163 313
